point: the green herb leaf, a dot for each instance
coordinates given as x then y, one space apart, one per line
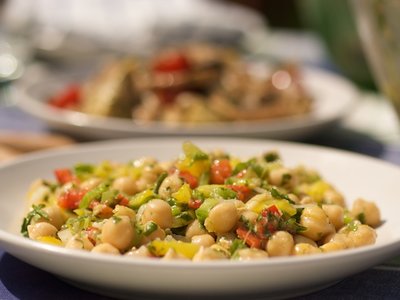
237 244
35 213
278 195
159 181
149 228
271 156
94 194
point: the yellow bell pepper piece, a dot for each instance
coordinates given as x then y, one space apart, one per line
258 202
195 161
184 194
49 240
160 248
318 189
262 201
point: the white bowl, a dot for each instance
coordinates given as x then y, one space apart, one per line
352 174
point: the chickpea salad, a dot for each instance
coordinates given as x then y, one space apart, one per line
203 205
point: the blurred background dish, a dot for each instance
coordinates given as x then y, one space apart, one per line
191 84
333 98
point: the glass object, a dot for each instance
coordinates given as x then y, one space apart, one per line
334 23
10 70
378 24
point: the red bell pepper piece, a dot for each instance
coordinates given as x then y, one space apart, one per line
64 176
220 170
189 178
67 98
250 238
71 198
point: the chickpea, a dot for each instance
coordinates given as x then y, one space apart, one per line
119 232
79 242
159 212
126 185
150 174
343 238
194 228
298 239
333 246
41 229
208 254
364 235
333 197
144 161
105 248
250 254
306 200
157 234
281 177
281 243
294 198
316 222
222 218
38 192
121 210
142 184
305 249
90 183
221 249
56 216
205 240
370 211
328 238
238 204
170 185
335 214
142 251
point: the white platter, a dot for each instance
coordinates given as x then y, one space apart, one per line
334 97
352 174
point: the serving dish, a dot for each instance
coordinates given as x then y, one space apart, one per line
353 174
334 97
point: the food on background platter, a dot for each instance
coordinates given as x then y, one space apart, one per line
190 84
200 206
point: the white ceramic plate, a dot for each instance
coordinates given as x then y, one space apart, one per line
334 98
353 174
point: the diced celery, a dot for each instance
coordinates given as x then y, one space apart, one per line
83 170
141 198
94 194
216 191
183 219
205 207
